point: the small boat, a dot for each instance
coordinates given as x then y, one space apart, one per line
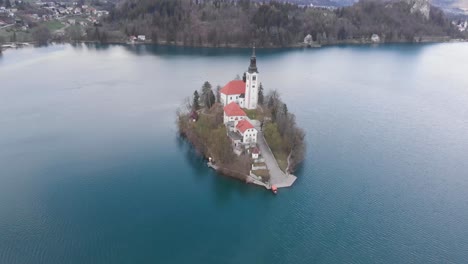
274 189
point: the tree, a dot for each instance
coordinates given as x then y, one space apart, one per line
274 100
207 97
221 145
7 4
42 35
212 99
74 33
260 95
200 22
13 37
218 94
154 37
196 101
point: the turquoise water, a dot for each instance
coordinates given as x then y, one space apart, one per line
91 169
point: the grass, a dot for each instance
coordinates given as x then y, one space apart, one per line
5 34
254 113
282 159
53 25
21 36
277 145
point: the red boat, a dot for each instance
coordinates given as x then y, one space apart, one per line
274 189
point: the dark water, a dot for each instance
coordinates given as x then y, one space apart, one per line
91 170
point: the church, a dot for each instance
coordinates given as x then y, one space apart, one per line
243 92
237 95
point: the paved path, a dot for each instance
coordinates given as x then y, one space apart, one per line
277 176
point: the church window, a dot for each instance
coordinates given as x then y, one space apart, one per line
254 78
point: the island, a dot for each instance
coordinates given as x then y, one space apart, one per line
242 132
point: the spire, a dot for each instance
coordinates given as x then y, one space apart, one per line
253 61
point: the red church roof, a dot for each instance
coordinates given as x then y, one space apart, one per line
234 87
234 109
243 125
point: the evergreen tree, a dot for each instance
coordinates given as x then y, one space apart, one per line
7 4
211 99
196 101
218 94
207 97
285 110
260 95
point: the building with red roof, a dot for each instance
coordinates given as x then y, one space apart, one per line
233 112
233 91
247 131
255 153
243 92
238 94
234 87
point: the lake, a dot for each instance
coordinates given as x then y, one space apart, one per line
92 170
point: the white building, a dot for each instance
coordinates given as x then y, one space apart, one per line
232 113
233 92
255 153
375 38
142 37
243 92
247 131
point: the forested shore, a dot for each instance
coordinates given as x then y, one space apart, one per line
219 23
229 23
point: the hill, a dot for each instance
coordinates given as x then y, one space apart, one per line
275 24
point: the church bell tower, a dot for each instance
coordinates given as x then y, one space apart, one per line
251 83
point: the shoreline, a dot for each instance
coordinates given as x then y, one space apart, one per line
17 45
219 169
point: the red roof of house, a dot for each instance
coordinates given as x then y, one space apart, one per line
255 151
234 109
243 125
234 87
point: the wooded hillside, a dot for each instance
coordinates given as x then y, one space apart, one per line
239 23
